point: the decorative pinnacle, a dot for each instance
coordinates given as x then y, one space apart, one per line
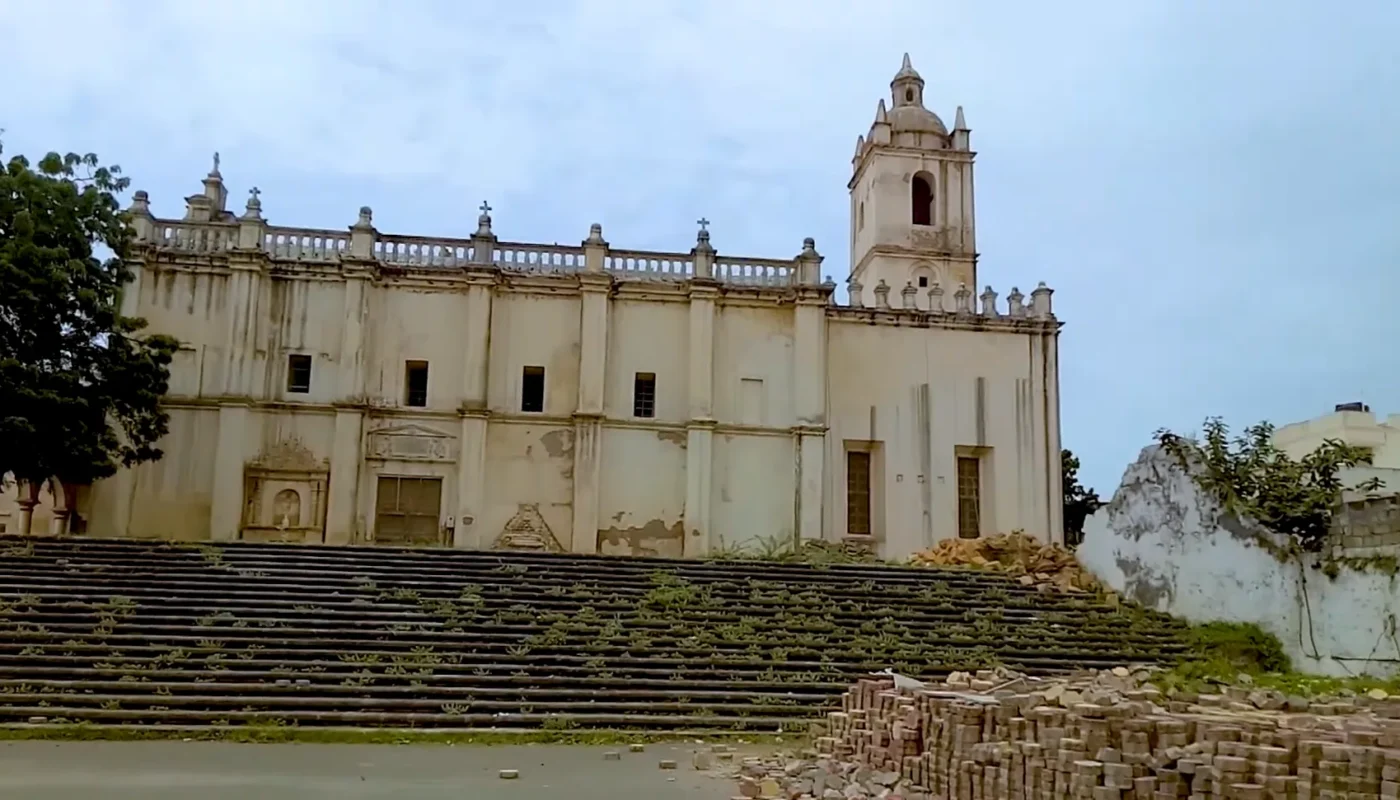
366 219
595 234
483 222
214 173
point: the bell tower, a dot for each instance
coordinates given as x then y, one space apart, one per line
911 196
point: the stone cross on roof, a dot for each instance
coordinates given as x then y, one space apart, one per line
703 223
485 207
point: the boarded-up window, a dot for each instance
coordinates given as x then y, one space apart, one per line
969 497
406 511
858 493
751 401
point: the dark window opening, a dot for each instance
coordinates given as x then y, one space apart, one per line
922 201
298 374
969 497
857 493
908 95
415 381
532 390
644 395
923 281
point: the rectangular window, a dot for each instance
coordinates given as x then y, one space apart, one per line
857 493
644 395
969 497
298 374
415 382
532 390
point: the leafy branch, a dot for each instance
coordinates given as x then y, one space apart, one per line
1252 477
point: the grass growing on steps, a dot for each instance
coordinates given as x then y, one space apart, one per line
1222 652
280 734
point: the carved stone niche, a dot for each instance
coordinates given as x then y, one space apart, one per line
410 442
284 495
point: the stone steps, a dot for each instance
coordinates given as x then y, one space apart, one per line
121 632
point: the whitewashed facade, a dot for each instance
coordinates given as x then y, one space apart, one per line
354 386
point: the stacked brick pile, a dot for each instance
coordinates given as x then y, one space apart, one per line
1020 739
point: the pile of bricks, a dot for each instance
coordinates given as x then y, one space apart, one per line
1038 740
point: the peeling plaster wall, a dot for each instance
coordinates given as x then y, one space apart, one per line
642 496
1166 544
529 465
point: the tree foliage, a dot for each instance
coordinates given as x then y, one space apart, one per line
1252 477
1080 501
79 385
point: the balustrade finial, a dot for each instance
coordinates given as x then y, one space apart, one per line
483 222
253 209
214 173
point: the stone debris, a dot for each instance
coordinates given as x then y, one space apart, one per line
612 755
636 748
509 774
1108 735
667 764
1032 561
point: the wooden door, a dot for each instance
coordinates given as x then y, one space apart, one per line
407 511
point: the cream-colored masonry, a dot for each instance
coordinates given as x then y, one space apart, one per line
760 385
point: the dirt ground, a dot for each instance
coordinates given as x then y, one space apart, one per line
223 771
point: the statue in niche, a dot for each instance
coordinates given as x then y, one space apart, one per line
286 509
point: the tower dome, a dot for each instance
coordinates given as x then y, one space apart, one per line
907 112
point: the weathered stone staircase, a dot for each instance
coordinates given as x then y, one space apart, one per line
121 632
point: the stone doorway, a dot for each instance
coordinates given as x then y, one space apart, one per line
407 511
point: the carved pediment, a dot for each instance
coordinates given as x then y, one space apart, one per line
527 530
289 455
410 442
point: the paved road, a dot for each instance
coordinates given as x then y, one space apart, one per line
226 771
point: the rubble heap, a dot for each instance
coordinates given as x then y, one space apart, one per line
1001 736
1017 554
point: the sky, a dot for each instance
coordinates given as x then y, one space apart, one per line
1211 187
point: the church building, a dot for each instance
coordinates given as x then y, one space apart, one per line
360 387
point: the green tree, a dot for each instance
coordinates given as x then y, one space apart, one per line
1080 501
79 386
1253 478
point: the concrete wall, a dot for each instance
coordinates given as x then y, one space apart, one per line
1166 544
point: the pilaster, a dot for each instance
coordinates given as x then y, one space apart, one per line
809 395
1052 435
588 417
588 435
226 505
471 453
1038 525
699 450
700 428
346 459
471 481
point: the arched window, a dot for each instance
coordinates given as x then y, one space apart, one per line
922 199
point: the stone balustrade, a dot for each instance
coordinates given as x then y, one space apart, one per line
936 299
222 232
